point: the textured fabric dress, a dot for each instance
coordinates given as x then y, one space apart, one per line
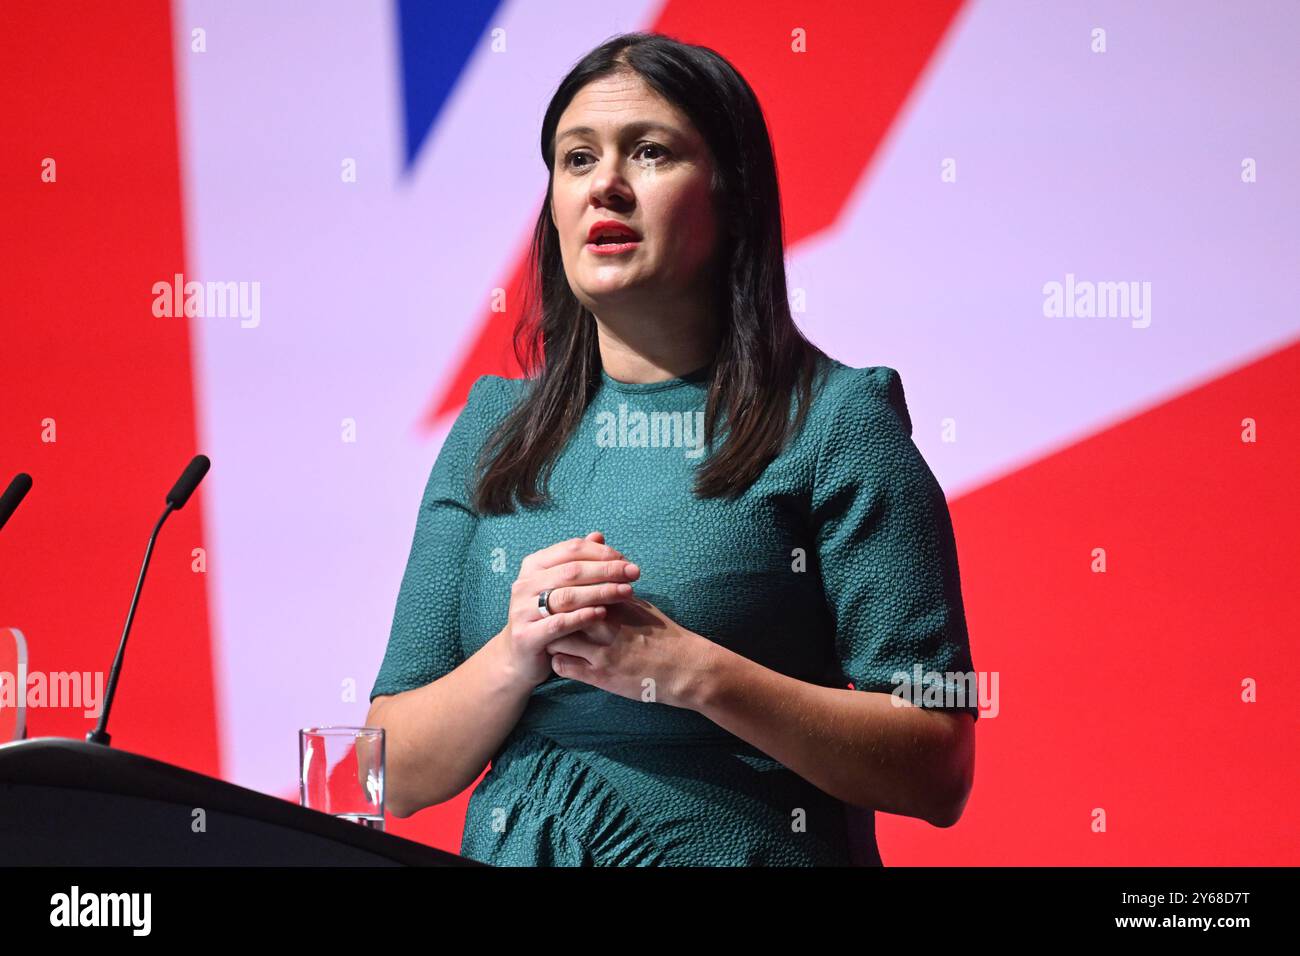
837 566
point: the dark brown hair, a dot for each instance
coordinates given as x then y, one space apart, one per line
762 357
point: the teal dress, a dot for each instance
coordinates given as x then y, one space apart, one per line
837 566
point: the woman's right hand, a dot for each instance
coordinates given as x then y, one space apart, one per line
584 575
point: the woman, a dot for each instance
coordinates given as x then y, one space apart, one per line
674 687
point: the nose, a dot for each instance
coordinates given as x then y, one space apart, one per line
608 185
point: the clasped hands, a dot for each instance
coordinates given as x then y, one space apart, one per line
599 632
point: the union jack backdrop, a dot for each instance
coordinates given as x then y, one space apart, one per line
278 233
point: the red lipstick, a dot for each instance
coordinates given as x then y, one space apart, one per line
609 237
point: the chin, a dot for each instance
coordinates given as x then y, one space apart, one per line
608 292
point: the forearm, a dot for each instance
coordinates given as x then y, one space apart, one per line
440 737
857 746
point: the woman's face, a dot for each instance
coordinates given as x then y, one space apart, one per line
623 153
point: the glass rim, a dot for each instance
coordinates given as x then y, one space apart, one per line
336 730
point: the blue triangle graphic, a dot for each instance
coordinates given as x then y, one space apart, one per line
437 40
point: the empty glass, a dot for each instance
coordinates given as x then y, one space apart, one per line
342 772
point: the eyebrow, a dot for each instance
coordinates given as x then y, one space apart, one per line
631 129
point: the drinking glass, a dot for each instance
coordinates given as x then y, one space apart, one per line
342 772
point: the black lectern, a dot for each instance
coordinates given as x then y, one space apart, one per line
65 802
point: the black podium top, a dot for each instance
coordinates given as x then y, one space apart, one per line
66 802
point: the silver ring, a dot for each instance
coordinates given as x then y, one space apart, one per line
541 602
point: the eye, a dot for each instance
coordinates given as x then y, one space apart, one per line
654 146
570 156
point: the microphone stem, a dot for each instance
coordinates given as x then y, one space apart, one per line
99 735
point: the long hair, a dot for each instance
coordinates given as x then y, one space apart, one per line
762 359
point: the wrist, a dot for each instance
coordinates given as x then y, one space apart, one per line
710 677
505 666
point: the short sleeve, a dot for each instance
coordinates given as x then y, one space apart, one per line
424 643
886 549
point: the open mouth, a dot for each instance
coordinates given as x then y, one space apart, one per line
612 245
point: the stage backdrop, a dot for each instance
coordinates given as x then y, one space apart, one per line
1070 227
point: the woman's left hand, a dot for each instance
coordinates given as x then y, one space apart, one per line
637 652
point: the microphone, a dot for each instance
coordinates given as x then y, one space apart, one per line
188 481
15 493
176 498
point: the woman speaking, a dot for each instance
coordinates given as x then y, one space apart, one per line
669 583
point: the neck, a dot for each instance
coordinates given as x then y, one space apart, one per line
636 346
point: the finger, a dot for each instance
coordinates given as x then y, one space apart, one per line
575 573
572 598
570 550
572 667
601 631
525 589
535 635
575 645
